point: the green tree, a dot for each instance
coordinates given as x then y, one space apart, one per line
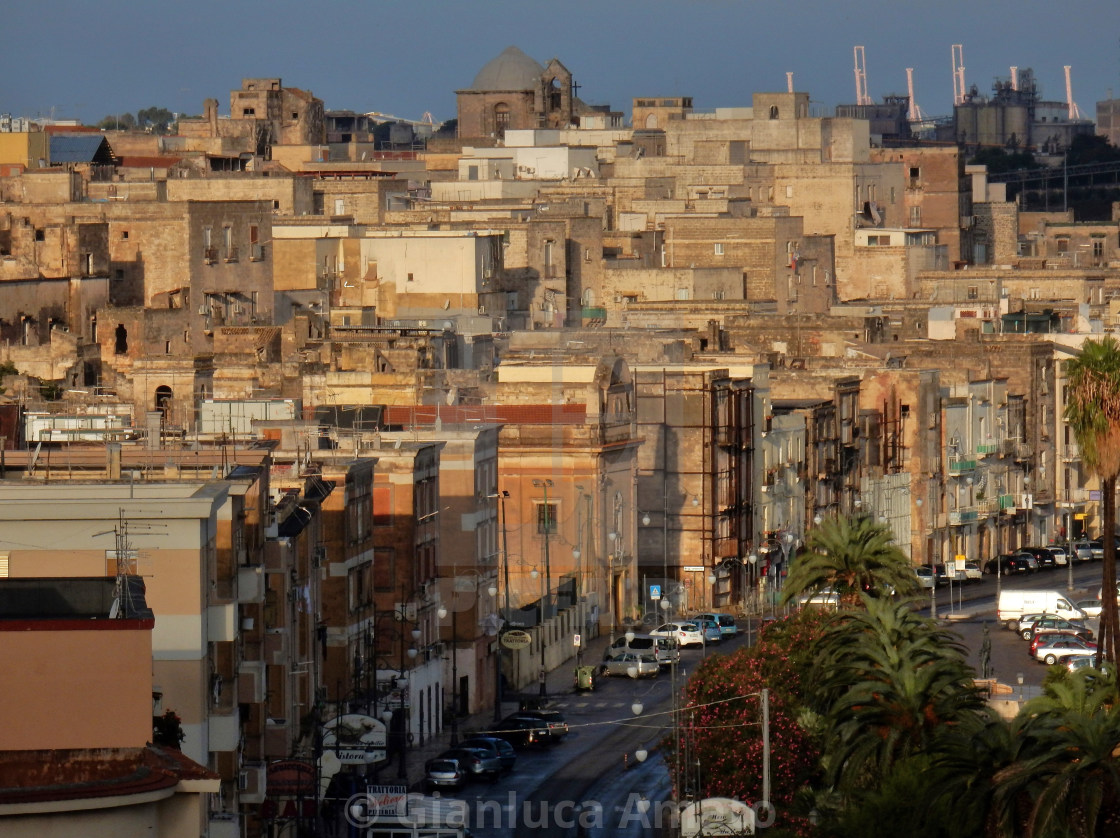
1000 160
851 556
1093 413
720 724
1091 148
156 120
118 122
887 681
1065 780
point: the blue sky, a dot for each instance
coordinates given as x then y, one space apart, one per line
406 57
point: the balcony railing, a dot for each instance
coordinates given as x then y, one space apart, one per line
961 465
988 448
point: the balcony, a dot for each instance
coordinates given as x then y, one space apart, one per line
210 255
988 448
231 254
592 316
957 466
1006 503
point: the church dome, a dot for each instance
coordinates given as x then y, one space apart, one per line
512 70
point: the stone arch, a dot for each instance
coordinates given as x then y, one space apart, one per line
163 398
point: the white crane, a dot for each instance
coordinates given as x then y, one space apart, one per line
1074 112
958 74
915 113
861 77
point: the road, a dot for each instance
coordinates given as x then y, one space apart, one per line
592 785
1010 652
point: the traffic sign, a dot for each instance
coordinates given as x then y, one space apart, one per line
655 592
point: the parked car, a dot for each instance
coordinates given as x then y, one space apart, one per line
443 773
1091 607
710 630
502 749
824 598
926 576
477 763
1096 549
973 571
1008 564
726 623
1083 551
948 573
1061 557
1028 620
553 721
1043 556
520 732
1057 625
686 634
1064 648
631 665
1080 662
664 648
1046 637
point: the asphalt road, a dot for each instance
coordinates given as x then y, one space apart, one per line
592 785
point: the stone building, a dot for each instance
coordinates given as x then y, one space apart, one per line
514 91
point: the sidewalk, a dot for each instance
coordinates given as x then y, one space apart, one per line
558 682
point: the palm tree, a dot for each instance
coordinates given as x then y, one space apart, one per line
1093 412
1065 780
851 556
888 682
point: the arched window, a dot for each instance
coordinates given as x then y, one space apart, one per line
163 401
501 118
773 111
651 121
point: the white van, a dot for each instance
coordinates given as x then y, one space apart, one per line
666 650
1014 604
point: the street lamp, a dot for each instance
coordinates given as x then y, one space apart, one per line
546 602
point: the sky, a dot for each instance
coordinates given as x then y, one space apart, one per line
75 58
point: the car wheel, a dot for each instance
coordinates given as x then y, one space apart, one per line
1051 660
1026 634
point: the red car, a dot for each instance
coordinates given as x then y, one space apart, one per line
1050 637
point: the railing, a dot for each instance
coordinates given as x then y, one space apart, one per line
210 255
988 448
961 465
231 254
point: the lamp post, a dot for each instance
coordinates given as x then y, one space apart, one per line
546 600
402 682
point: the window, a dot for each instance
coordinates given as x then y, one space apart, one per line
719 248
40 236
546 518
773 111
548 253
1063 245
410 278
974 292
892 194
124 235
249 112
789 191
915 216
1098 249
914 176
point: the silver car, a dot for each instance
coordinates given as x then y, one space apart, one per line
631 665
1064 648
